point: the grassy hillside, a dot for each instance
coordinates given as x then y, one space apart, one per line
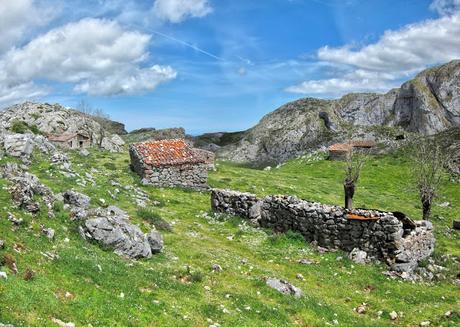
86 285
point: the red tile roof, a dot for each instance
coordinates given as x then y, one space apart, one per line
344 147
64 137
167 152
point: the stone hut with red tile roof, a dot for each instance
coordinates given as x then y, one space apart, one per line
70 140
339 151
171 163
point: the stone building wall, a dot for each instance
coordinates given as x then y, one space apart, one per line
384 237
187 175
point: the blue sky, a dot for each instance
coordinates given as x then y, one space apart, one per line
215 65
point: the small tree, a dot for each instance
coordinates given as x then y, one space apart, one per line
354 165
429 160
91 115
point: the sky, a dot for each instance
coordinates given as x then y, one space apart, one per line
215 65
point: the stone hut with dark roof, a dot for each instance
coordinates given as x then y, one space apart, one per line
339 151
171 163
70 140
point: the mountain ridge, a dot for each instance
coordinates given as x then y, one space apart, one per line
427 104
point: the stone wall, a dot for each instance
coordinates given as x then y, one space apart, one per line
189 175
382 235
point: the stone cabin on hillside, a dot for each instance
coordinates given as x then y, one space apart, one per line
171 163
70 140
339 151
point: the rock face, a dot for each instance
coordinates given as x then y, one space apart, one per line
46 119
22 145
428 104
380 235
111 228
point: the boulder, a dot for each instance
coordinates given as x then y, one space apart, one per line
358 256
111 228
76 199
284 287
112 143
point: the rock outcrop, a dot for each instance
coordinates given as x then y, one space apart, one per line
111 228
428 104
43 118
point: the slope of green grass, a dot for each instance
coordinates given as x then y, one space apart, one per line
88 285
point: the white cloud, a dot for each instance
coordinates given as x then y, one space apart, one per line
178 10
98 56
445 7
16 18
130 82
395 55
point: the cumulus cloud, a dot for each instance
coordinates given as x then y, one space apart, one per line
98 56
16 18
176 11
396 54
445 7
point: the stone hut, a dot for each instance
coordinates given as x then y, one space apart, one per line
170 163
339 151
70 140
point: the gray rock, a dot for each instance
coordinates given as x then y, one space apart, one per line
76 199
156 241
84 152
111 228
284 287
48 232
2 244
358 256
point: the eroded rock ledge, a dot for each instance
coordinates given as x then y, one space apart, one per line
384 236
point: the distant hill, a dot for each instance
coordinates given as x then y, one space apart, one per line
144 134
427 104
44 118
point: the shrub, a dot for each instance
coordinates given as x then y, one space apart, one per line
22 127
19 127
155 219
110 166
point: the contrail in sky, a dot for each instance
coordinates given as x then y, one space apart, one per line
189 45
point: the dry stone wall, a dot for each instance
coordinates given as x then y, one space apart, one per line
383 237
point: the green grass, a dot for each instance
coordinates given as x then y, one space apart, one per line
178 286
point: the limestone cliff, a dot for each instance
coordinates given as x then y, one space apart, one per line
427 104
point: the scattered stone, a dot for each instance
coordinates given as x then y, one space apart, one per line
6 325
284 287
456 224
358 256
15 220
393 315
300 277
361 309
3 275
425 323
84 153
29 274
76 199
444 204
48 232
216 268
60 323
305 261
2 244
